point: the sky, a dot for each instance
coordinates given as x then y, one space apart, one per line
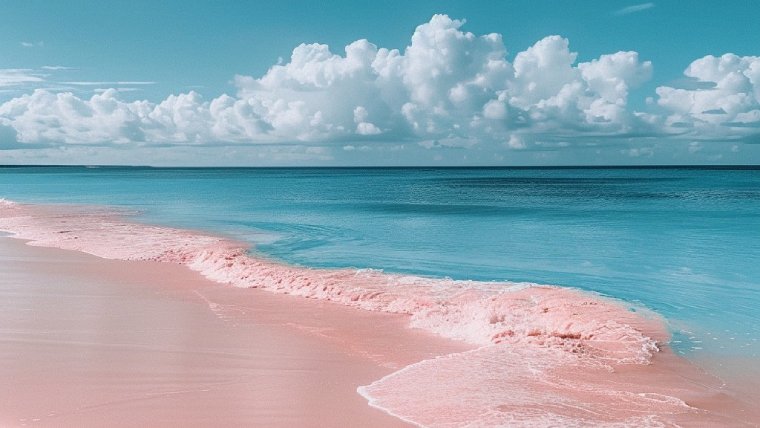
379 83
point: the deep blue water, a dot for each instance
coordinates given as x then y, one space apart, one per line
684 242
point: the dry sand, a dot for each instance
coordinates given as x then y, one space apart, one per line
91 342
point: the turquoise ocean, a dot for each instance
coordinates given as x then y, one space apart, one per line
684 242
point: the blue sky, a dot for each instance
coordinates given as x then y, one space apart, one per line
170 63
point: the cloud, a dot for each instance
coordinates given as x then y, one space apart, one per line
449 86
633 9
98 83
15 76
636 152
38 44
44 117
550 94
448 91
725 105
515 142
119 89
55 67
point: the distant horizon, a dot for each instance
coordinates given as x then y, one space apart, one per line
653 166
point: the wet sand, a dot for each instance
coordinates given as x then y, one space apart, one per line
86 341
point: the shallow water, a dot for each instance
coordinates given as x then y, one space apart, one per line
683 242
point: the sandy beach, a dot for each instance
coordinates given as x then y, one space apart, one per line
513 214
93 342
144 325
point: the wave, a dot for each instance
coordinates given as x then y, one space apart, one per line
535 346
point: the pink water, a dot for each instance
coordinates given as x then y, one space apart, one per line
541 355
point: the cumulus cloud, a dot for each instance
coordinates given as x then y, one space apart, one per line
515 142
43 117
448 88
550 93
725 102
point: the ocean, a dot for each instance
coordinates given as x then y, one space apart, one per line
681 241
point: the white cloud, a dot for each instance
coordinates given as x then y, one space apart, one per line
447 85
13 77
43 117
636 152
515 142
362 126
119 89
551 93
38 44
633 9
725 104
448 89
97 83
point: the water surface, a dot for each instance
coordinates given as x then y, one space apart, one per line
682 241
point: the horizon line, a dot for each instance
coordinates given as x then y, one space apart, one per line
567 166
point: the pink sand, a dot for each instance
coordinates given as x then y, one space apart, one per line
538 355
92 342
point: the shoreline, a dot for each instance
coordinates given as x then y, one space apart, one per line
556 355
218 356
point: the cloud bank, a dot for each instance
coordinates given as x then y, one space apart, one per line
447 88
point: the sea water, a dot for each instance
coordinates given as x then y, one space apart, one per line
684 242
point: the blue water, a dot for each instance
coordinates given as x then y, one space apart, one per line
683 242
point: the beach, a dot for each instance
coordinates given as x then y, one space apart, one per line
151 325
361 214
93 342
